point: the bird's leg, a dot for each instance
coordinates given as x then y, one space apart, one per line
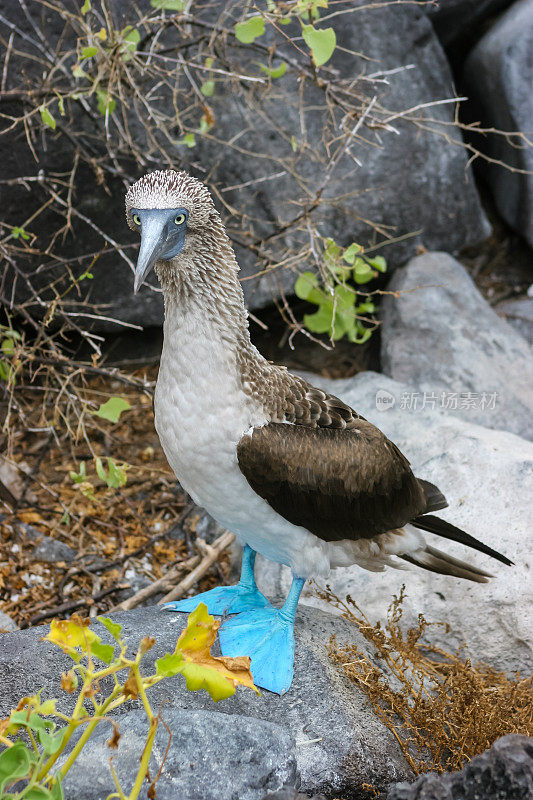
245 596
267 636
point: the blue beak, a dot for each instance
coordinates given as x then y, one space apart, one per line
161 240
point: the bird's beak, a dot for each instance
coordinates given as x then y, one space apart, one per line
153 245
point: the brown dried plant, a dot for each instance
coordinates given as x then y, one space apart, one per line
442 708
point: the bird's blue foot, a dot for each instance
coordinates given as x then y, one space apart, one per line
245 596
267 636
222 600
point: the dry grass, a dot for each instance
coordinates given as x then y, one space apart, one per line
442 709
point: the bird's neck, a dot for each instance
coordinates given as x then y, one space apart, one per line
203 295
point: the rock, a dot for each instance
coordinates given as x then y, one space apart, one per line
212 756
7 625
45 548
458 21
503 772
291 794
410 178
412 181
486 478
446 339
340 743
498 75
519 314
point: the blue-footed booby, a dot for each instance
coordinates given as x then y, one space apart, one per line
294 472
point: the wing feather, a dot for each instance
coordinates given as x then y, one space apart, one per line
338 483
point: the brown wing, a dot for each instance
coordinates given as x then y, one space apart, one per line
338 483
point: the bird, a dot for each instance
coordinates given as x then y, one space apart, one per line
298 475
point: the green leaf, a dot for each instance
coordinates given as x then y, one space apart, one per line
322 320
86 7
189 140
47 117
15 763
321 42
17 233
106 104
351 252
38 793
249 30
378 263
117 474
366 308
100 471
8 347
305 283
170 664
274 72
167 5
332 253
112 409
89 52
11 332
294 143
208 88
56 792
130 39
364 334
104 652
51 742
78 72
113 627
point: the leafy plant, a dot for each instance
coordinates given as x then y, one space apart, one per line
340 312
116 473
112 409
32 761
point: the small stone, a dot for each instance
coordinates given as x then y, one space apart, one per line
7 624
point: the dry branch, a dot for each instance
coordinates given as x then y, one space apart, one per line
212 554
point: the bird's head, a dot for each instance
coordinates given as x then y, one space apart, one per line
169 209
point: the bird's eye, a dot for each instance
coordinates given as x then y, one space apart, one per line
180 219
136 218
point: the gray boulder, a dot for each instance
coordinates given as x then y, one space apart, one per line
498 75
457 21
519 314
212 756
339 742
486 477
440 336
503 772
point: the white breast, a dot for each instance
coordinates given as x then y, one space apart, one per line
201 413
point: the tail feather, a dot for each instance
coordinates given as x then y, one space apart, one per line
435 500
428 522
435 561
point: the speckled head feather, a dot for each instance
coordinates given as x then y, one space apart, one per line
171 189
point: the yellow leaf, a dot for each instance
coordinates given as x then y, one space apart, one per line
70 633
218 675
